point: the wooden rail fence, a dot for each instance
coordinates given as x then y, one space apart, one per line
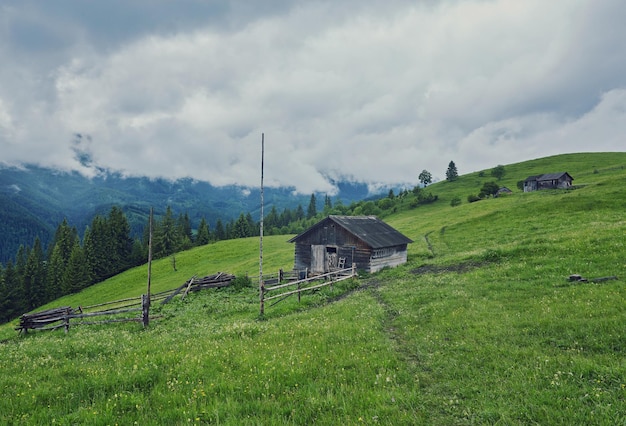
56 318
117 310
303 283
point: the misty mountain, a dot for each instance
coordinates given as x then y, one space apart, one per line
35 200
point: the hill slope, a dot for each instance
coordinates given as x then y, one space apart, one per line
481 326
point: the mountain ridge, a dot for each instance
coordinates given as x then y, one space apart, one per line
34 200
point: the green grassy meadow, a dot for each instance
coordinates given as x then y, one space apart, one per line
481 326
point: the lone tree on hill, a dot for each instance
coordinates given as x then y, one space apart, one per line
425 177
452 173
489 189
498 172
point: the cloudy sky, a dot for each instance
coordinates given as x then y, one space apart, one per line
363 90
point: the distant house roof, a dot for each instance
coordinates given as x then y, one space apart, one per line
548 176
371 230
532 178
504 190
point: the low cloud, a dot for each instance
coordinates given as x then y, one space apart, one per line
347 90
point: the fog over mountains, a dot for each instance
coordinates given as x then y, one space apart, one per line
35 200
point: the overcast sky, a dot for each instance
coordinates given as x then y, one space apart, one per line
362 90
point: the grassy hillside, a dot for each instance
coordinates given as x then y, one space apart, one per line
481 326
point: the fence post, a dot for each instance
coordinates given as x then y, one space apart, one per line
262 297
145 308
66 318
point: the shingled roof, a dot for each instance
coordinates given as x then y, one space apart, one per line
371 230
548 176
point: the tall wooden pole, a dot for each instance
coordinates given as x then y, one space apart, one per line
149 264
261 284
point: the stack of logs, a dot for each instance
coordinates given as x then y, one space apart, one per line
221 279
45 320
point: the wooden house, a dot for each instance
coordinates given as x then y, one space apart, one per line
339 241
503 191
548 181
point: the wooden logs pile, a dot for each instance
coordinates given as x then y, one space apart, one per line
221 279
46 320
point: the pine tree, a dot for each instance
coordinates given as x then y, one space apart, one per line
328 204
184 227
253 227
4 297
76 275
19 293
166 238
452 173
139 254
65 237
99 250
203 236
271 221
14 298
241 228
34 277
54 273
120 239
299 213
312 209
220 232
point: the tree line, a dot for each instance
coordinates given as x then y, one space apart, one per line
39 275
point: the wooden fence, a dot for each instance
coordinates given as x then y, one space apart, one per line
117 310
56 318
303 282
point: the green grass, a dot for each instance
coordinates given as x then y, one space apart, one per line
481 326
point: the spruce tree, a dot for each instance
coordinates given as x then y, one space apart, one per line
54 273
19 293
299 215
271 221
14 304
203 236
184 227
312 209
100 250
241 228
167 239
452 173
328 204
121 241
4 297
34 277
76 275
65 237
253 227
220 232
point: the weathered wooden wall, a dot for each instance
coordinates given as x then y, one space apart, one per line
394 257
348 246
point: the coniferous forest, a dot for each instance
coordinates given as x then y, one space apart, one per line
74 261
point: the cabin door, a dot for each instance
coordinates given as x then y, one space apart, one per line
318 259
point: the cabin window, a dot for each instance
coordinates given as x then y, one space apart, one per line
383 252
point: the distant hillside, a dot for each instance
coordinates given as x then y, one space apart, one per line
34 200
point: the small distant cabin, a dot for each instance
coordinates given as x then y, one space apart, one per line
548 181
337 242
503 191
